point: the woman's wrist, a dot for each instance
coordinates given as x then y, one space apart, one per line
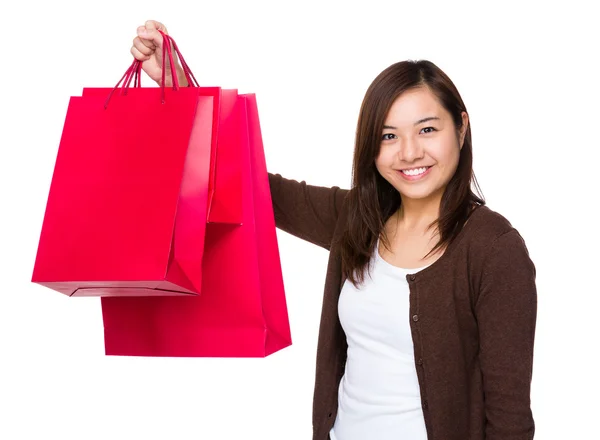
183 82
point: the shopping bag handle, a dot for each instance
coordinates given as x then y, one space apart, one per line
191 79
135 70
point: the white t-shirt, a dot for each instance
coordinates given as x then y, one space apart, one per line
379 396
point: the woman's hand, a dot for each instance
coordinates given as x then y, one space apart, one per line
147 47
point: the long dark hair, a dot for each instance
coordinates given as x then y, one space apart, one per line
372 200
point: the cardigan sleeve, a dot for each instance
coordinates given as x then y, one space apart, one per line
306 211
506 311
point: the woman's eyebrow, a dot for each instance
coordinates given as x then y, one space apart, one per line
420 121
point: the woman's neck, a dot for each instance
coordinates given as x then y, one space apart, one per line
417 214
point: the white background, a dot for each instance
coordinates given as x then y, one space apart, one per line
528 73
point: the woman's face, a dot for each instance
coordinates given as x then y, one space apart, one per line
419 157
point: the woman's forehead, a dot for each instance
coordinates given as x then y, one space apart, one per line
413 108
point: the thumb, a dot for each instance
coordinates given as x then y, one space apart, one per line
150 31
155 25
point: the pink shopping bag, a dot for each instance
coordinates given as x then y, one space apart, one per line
242 310
133 188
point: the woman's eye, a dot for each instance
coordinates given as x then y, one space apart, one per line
388 136
432 129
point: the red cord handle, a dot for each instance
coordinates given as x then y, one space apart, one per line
135 70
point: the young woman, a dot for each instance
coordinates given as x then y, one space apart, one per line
429 311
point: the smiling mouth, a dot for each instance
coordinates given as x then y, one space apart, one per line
414 171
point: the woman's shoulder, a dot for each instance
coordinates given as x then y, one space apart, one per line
487 223
487 228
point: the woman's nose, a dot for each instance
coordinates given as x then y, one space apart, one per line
410 151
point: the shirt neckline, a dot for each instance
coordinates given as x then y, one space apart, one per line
392 267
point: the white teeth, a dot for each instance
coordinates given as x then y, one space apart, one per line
414 172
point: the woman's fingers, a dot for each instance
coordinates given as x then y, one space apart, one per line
148 43
155 25
150 37
139 55
143 47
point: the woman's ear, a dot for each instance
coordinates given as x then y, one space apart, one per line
463 129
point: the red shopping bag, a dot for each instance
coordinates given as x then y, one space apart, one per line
127 208
242 311
224 184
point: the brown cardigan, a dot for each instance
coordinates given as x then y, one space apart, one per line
472 318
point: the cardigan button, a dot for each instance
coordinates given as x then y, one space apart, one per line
415 318
420 361
425 405
413 277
